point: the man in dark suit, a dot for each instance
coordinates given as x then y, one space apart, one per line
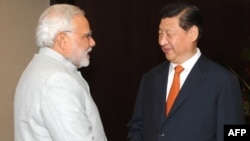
209 95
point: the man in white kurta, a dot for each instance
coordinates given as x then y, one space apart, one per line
53 102
52 99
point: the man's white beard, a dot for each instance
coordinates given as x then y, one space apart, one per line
83 61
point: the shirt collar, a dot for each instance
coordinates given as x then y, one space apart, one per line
57 56
188 65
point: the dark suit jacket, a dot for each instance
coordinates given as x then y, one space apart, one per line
209 98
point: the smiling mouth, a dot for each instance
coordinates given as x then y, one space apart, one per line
166 49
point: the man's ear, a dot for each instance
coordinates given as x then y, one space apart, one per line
60 40
194 32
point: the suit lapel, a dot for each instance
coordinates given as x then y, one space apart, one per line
161 87
192 82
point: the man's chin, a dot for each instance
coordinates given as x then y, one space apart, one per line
84 64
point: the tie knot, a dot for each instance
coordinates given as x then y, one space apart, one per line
178 69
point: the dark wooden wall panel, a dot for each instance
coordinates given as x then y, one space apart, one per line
62 1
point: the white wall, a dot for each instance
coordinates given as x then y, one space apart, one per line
18 19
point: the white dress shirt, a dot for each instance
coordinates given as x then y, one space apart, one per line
53 102
187 65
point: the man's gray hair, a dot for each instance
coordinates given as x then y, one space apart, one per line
55 19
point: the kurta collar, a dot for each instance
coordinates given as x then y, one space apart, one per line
53 54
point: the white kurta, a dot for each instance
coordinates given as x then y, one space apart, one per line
53 102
